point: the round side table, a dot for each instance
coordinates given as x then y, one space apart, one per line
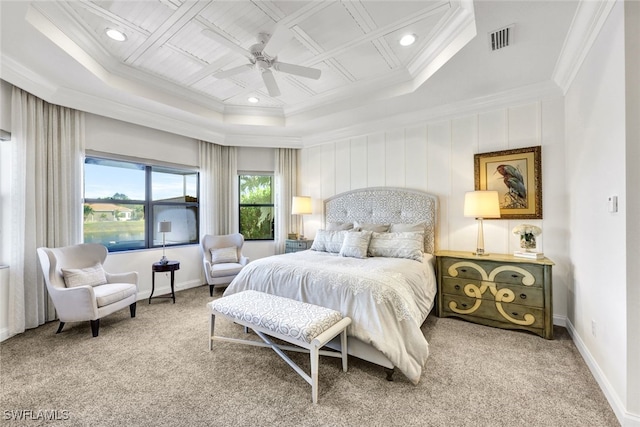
159 267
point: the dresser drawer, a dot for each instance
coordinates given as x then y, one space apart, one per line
523 295
297 244
508 313
517 274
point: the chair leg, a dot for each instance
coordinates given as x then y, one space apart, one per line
132 309
95 325
210 290
60 327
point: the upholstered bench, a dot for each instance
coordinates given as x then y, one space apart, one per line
309 327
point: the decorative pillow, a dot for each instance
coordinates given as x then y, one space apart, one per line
355 244
418 227
397 245
328 241
337 226
224 255
363 226
92 276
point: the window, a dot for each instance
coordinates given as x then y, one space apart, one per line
256 206
124 202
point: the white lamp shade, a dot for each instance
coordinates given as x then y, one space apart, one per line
164 227
482 204
301 205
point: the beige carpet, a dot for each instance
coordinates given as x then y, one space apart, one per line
156 370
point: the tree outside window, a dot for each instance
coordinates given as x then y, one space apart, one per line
256 206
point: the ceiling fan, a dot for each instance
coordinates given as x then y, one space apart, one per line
263 57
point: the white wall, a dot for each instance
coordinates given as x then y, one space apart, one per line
595 169
438 158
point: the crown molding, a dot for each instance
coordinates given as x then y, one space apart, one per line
587 22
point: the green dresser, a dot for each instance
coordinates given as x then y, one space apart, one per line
496 290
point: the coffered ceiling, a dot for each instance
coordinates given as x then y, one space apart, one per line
176 58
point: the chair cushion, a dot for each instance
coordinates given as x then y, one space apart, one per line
92 276
113 292
224 255
225 269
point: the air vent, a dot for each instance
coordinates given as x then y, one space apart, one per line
501 38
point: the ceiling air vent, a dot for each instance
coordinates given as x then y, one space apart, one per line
501 38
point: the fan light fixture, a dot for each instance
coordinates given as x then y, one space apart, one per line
116 35
253 100
407 39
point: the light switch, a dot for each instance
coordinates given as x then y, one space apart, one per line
613 204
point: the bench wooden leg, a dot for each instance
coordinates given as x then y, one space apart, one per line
212 323
314 373
344 349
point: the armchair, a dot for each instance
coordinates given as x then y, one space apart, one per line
80 289
221 263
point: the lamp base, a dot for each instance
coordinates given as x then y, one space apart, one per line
479 254
164 260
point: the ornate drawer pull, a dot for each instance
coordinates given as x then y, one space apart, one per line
515 276
457 287
464 270
464 305
514 313
523 296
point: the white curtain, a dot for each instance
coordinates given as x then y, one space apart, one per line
286 183
218 189
46 199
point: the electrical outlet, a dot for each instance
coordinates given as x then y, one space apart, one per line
593 328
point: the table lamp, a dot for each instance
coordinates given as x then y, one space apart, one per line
481 205
301 205
164 227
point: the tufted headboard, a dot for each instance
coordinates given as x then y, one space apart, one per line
385 205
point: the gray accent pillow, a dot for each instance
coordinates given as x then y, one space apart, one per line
364 226
328 241
397 245
224 255
355 244
419 227
92 276
337 226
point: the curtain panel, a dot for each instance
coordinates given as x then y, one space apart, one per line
218 189
47 149
286 184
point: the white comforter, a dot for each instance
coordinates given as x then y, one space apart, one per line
387 299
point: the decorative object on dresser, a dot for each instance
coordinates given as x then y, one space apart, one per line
301 205
164 227
518 182
481 205
498 290
527 233
292 245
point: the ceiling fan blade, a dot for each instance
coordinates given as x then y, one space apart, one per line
278 41
298 70
226 42
232 71
270 83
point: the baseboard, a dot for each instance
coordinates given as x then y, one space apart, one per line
625 418
560 320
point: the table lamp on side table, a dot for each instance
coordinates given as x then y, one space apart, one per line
301 205
164 227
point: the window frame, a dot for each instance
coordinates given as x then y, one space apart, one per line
148 203
258 205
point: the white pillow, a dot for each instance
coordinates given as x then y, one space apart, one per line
337 226
224 255
397 245
328 241
363 226
355 244
419 227
92 276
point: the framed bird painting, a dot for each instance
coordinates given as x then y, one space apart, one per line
517 177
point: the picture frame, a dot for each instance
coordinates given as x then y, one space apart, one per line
517 176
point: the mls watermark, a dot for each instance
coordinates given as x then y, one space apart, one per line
36 415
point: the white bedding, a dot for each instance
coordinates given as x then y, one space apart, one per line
387 299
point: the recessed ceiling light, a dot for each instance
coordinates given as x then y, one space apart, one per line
407 39
253 100
116 35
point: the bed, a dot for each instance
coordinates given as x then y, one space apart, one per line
388 296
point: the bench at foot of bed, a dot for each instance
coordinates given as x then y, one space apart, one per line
309 327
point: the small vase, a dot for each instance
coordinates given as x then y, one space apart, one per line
528 241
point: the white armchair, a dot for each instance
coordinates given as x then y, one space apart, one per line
222 258
80 289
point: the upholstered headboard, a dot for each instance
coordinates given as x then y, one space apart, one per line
385 205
